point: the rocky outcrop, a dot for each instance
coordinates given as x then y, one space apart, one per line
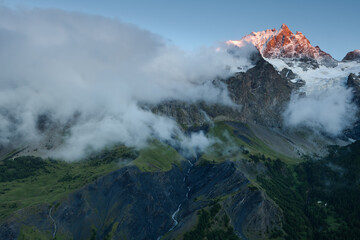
353 82
262 92
260 96
352 56
251 213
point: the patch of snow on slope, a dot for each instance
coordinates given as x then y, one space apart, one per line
258 39
321 78
327 105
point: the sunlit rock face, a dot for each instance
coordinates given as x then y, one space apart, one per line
283 43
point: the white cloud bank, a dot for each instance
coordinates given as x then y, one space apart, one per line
89 73
327 105
329 111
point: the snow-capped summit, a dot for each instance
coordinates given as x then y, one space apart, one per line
283 43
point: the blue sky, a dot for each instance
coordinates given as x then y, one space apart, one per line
333 25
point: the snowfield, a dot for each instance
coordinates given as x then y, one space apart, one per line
321 78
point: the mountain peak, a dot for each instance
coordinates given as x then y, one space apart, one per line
283 43
284 27
352 56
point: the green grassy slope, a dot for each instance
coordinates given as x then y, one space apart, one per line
28 181
45 180
234 144
157 157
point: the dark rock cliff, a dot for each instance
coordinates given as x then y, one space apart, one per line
353 82
132 204
250 210
260 95
262 92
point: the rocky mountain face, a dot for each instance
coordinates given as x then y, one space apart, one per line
262 92
352 56
285 44
260 95
353 82
131 204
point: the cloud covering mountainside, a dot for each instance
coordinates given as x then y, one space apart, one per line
82 81
89 73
